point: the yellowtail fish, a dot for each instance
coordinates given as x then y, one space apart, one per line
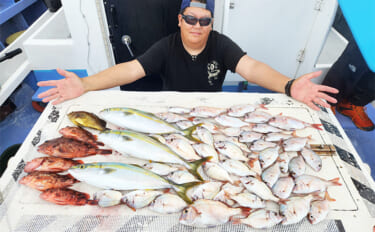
144 147
87 119
120 176
142 121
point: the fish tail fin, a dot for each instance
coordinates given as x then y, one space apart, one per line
282 201
328 197
263 106
335 181
189 132
235 221
191 118
251 162
181 190
237 183
99 143
72 177
104 151
245 211
92 202
317 126
196 164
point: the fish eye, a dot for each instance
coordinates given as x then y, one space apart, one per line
186 211
81 166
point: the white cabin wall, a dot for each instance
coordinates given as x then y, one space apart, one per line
277 32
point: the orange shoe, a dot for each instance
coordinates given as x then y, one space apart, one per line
357 114
333 108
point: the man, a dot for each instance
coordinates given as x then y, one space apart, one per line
352 76
194 59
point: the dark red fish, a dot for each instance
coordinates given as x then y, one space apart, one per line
70 148
80 134
64 196
50 164
44 180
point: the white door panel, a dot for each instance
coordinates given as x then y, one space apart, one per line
276 32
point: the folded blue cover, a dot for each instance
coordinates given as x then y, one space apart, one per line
360 16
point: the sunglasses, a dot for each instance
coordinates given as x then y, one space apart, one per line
191 20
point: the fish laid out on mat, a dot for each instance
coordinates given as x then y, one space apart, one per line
213 165
120 176
70 148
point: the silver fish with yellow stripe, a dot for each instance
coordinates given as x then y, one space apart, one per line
120 176
144 147
142 121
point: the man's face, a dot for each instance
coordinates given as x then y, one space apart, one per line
194 34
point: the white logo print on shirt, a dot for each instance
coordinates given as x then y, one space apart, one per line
213 71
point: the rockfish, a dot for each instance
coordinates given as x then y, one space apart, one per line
50 164
80 134
44 180
63 196
69 148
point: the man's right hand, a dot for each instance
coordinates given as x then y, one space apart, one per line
65 89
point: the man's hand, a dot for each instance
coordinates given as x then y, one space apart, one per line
304 90
69 87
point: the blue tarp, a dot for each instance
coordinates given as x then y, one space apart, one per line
360 16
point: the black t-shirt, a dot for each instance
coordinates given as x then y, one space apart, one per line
182 72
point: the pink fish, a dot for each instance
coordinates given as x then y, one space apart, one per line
309 184
290 123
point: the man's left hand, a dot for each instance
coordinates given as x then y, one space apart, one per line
304 90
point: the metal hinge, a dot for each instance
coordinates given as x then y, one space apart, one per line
231 5
318 5
301 56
